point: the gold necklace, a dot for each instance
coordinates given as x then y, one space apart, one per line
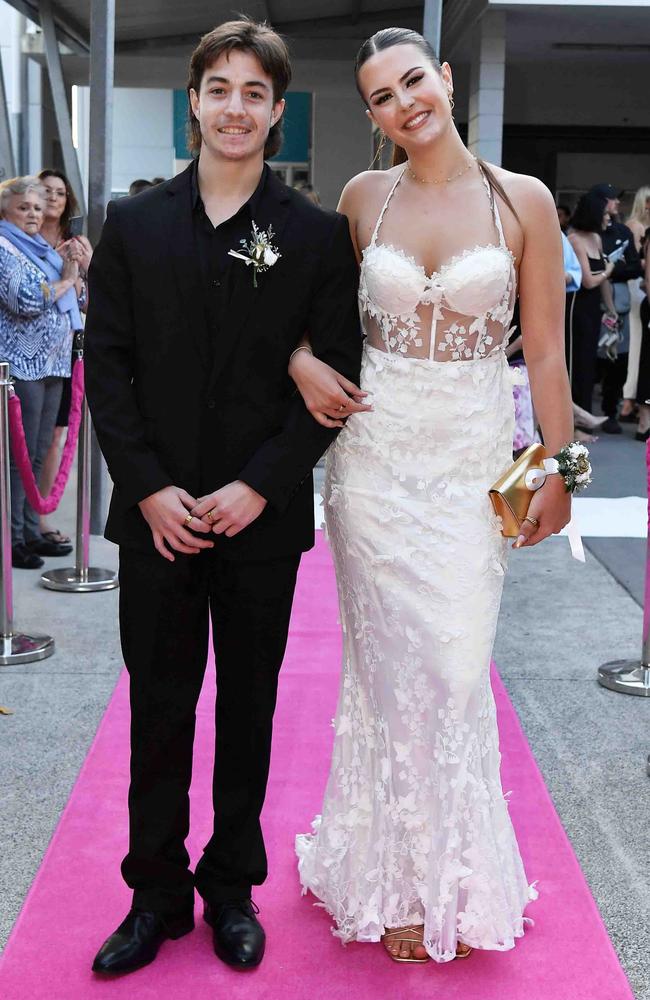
445 180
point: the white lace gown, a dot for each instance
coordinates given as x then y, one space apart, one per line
415 826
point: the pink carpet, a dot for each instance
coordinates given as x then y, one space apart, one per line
77 897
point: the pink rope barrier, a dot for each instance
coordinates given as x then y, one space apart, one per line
46 505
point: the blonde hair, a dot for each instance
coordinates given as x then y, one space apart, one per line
640 211
19 185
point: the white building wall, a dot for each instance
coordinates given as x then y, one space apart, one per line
341 135
143 139
11 27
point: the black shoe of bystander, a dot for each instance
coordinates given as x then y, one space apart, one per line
23 557
611 426
46 547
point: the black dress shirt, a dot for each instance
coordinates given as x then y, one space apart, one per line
213 244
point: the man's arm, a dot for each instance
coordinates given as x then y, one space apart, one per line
630 266
109 369
281 464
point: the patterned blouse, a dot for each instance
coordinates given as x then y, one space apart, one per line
35 338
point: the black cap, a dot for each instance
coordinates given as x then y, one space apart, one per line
606 191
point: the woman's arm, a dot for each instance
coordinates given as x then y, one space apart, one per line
589 280
23 289
541 303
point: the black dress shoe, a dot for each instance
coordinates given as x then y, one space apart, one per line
642 435
611 426
23 558
136 941
46 547
238 936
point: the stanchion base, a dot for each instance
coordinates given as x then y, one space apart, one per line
19 648
84 582
626 676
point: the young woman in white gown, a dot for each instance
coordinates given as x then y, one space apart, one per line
415 846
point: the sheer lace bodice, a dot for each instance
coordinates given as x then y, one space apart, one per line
461 312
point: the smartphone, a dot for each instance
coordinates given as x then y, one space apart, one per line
76 225
619 252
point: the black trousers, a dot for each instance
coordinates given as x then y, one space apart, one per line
164 622
583 332
614 374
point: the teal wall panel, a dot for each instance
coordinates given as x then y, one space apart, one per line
297 127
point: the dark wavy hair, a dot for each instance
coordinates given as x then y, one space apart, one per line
386 39
71 203
589 212
244 35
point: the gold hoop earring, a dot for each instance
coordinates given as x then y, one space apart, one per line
377 156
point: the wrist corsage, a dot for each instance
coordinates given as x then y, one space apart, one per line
573 465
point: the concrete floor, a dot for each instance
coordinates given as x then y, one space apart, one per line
559 621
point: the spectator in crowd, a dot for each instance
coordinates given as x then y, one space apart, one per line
309 192
564 217
135 187
637 222
617 237
583 420
585 318
39 312
643 382
61 207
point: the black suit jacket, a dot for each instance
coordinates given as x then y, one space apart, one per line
169 406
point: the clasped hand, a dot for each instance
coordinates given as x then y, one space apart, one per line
168 512
229 510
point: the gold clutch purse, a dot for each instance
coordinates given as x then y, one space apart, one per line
511 494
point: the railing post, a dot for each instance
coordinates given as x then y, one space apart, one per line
81 578
15 647
632 676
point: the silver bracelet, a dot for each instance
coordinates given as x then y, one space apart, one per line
304 348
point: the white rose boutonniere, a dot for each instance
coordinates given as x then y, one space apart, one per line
259 251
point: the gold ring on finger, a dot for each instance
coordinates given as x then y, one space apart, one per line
188 520
210 515
533 520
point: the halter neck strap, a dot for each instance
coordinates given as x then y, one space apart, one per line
496 215
385 206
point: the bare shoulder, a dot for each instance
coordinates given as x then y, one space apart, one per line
530 197
362 200
367 187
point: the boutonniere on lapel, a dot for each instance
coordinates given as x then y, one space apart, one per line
259 251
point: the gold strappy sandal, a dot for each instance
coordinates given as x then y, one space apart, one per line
464 954
411 935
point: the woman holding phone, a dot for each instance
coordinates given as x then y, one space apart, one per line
587 224
62 230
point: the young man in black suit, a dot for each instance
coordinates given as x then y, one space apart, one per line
211 452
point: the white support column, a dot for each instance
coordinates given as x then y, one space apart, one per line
487 84
10 91
431 23
102 65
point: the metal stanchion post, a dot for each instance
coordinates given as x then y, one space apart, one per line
82 578
632 676
15 647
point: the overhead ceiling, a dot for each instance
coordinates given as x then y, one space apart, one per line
333 29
